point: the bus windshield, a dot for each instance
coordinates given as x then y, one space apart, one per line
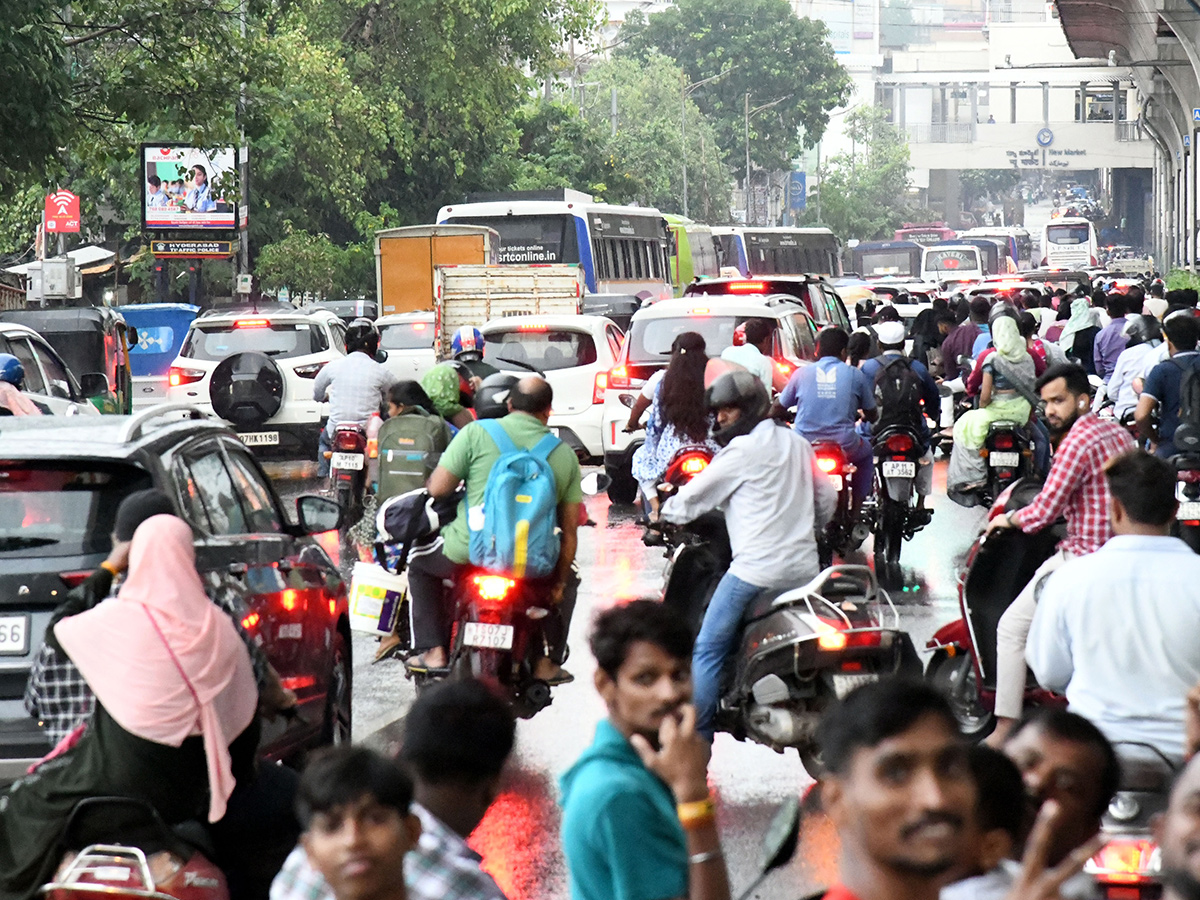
548 238
887 262
1068 234
951 260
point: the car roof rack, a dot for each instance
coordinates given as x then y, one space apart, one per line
137 423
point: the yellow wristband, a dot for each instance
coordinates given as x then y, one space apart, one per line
696 813
109 568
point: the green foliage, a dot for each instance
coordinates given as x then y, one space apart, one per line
767 52
301 262
558 148
980 184
863 195
1182 279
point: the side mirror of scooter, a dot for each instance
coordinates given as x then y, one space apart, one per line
779 843
381 356
595 483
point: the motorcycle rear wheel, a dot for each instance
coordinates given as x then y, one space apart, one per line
888 539
954 676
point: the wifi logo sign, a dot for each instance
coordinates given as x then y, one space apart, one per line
62 212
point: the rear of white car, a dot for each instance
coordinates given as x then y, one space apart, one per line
256 372
575 353
409 340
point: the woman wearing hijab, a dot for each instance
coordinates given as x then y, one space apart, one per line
1079 334
1007 392
174 721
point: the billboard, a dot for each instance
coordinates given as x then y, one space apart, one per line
186 188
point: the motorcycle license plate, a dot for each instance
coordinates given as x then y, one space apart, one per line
260 438
1188 512
14 635
894 469
491 637
1004 460
347 461
837 482
844 684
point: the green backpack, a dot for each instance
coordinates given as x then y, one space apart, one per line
410 446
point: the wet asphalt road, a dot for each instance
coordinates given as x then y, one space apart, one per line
519 837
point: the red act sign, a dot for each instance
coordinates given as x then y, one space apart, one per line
62 212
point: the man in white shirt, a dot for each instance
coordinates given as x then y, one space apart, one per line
1143 336
755 354
766 480
1116 629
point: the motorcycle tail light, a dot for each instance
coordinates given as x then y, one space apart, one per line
1125 861
832 640
494 588
1003 441
828 464
899 443
350 441
693 464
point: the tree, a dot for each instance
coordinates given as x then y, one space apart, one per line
559 148
768 52
864 193
302 262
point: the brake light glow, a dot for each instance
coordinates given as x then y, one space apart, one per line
600 387
827 464
746 287
348 440
251 323
700 311
832 640
693 464
177 376
1004 441
493 587
1125 861
250 620
291 600
785 367
618 377
899 443
538 328
298 682
419 326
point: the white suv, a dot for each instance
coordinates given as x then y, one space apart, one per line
255 370
575 354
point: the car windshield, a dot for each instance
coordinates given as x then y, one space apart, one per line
62 508
545 349
406 336
650 339
277 339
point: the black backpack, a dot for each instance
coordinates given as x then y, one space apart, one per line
898 394
1187 435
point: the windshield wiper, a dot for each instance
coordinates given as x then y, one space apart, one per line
523 365
17 542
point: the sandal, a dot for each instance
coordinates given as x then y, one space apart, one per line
388 651
418 666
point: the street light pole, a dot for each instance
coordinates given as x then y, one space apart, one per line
749 218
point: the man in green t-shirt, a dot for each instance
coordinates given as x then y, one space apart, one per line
469 459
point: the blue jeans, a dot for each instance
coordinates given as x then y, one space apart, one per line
717 637
863 479
324 445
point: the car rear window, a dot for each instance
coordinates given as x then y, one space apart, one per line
545 349
276 339
406 336
62 508
650 339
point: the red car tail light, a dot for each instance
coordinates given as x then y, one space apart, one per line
250 620
177 376
618 377
251 323
899 443
746 287
785 368
600 387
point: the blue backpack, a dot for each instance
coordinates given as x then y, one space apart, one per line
520 510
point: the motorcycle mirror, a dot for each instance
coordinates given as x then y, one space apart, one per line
779 842
381 356
595 482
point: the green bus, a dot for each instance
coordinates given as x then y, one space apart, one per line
692 253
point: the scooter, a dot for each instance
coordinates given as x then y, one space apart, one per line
963 664
1187 492
348 471
845 532
894 517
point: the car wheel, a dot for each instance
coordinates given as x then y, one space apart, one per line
624 487
338 698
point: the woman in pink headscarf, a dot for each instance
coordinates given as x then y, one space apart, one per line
174 723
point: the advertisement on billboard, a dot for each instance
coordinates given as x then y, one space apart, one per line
185 188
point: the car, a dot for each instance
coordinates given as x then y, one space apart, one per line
349 310
575 353
48 380
820 298
255 370
647 348
61 480
409 340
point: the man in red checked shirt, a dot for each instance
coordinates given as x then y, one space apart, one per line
1075 488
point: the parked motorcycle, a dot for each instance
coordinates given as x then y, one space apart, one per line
846 531
894 513
998 567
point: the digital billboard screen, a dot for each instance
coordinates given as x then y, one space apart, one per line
185 188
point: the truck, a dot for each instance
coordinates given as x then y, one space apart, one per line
406 258
470 295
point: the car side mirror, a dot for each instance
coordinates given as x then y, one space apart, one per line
317 514
381 356
93 384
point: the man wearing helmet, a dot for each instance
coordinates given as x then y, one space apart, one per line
12 401
766 479
1143 337
467 348
355 386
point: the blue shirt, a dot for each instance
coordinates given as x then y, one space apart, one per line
620 830
982 342
827 396
1163 384
930 395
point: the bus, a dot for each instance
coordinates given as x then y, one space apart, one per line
691 252
1069 243
877 259
992 252
621 249
1016 239
778 251
952 263
924 234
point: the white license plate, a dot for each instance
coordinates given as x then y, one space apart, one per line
260 438
894 469
347 461
14 635
1188 512
837 482
493 637
844 684
1004 460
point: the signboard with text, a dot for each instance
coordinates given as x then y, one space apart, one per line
62 212
186 188
192 249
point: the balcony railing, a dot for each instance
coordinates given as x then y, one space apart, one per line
1129 131
941 133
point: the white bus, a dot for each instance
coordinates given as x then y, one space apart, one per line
778 251
621 249
1069 243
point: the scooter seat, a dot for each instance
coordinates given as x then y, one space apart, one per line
761 605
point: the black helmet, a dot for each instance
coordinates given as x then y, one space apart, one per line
362 335
1142 329
743 391
1001 308
491 399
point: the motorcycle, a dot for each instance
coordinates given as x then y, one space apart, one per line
348 470
846 531
119 847
894 518
1008 450
1187 492
963 664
